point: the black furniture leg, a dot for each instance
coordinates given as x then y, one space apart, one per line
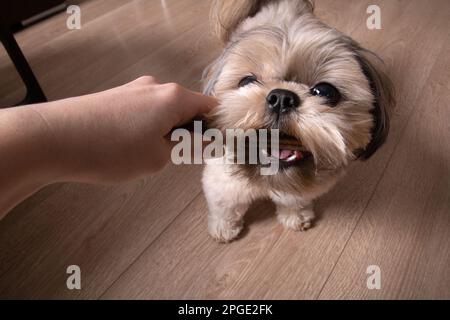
34 91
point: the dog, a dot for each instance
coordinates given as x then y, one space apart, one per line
282 68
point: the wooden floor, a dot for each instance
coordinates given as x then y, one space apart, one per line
148 239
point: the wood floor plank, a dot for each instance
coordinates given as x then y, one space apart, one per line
35 39
269 262
129 35
100 229
107 45
191 265
406 228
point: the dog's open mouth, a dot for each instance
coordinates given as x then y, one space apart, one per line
288 156
291 151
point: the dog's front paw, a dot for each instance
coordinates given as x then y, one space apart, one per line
223 230
298 221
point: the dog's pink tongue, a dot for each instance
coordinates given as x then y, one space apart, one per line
287 154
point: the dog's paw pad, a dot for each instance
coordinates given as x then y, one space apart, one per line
225 231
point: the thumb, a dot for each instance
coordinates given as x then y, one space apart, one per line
193 105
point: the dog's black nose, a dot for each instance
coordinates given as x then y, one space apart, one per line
282 101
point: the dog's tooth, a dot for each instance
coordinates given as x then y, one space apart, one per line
286 154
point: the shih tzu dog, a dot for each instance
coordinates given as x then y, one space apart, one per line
284 69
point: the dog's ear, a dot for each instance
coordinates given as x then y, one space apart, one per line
227 15
211 75
384 99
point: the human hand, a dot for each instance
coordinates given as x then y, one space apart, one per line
119 134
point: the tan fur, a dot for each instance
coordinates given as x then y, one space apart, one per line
287 47
226 15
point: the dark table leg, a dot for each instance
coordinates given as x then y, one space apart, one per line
34 91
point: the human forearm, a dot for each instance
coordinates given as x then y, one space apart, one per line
29 157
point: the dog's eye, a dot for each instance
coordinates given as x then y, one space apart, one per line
327 91
247 80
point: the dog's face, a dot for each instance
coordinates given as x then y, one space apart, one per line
284 69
